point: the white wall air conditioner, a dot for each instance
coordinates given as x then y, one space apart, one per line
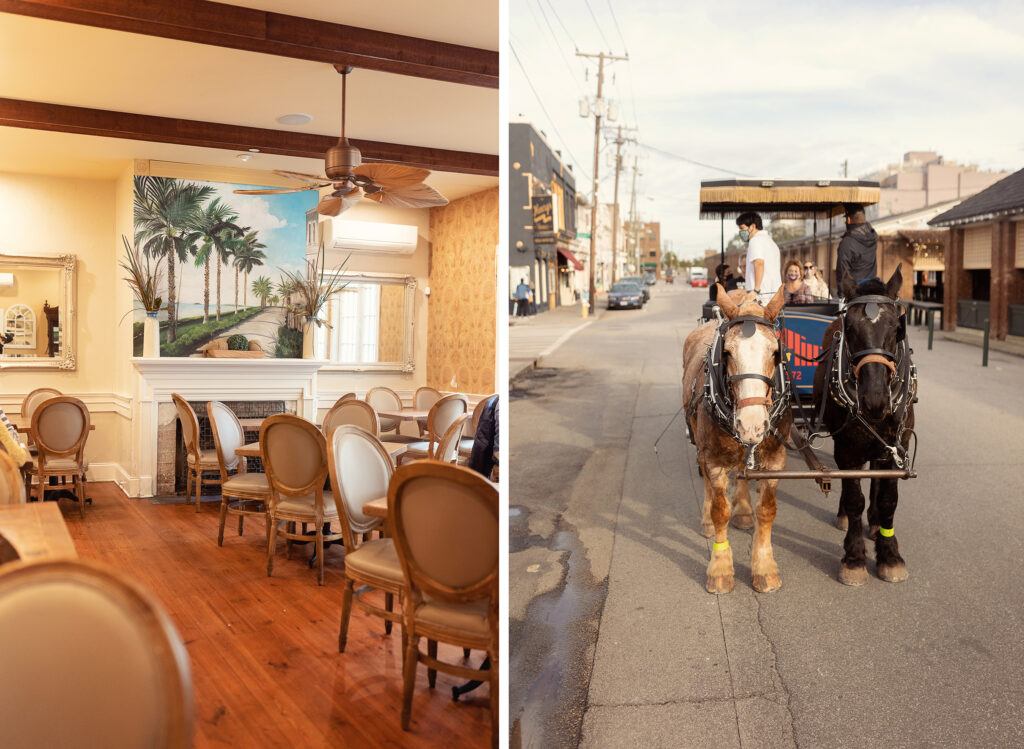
370 237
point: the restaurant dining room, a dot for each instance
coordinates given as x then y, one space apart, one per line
249 463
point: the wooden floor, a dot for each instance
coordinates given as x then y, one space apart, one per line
265 664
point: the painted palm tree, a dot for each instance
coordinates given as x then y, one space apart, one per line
165 208
263 288
215 228
247 258
285 288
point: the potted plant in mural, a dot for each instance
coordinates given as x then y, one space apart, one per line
312 292
144 281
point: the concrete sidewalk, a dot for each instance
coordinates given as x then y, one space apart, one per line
532 338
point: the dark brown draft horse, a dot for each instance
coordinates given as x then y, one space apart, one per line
733 369
869 385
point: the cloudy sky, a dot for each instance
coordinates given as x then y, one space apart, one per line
769 90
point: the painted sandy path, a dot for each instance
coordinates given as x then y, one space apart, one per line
261 328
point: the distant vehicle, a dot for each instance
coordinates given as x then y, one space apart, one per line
625 296
670 275
699 277
650 279
639 281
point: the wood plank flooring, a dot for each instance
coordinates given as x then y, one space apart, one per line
265 664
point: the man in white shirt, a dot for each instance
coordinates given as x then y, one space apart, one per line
763 272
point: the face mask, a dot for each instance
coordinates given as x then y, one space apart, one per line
745 235
793 276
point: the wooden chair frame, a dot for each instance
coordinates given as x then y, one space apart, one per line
76 452
244 498
352 542
353 403
315 486
432 436
417 403
419 583
397 426
450 440
147 614
185 409
28 406
345 397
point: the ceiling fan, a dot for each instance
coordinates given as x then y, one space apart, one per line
387 184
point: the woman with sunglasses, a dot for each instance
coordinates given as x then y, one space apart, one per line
814 281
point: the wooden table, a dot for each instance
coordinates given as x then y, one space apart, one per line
376 508
37 531
252 449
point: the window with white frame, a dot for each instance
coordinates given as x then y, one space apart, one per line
20 320
355 322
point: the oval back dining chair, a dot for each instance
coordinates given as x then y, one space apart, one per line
94 643
445 524
447 450
360 472
294 455
61 427
385 399
28 407
423 400
345 397
355 412
442 415
12 488
197 460
250 491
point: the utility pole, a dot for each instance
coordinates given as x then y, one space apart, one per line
633 218
601 57
846 164
619 140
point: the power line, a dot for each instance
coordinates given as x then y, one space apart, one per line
625 46
559 19
692 161
540 101
599 30
557 45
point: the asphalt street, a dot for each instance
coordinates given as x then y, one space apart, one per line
616 643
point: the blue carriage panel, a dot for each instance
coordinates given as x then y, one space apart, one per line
803 331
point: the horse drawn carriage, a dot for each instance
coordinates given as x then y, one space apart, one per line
759 381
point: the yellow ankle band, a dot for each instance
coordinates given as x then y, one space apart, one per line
887 532
721 546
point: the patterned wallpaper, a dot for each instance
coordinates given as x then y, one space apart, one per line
461 331
392 302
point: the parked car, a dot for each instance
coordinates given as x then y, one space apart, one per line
699 277
625 296
639 281
650 279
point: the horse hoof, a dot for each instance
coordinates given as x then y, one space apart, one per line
767 583
721 584
855 576
707 530
872 532
743 522
893 573
842 522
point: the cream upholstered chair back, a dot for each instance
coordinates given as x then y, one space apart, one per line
444 413
61 426
228 435
385 399
447 450
361 470
189 422
33 399
424 398
355 412
97 648
345 397
12 488
446 530
294 454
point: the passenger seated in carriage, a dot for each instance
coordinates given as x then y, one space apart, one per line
795 289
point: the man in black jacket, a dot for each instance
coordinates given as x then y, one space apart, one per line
858 249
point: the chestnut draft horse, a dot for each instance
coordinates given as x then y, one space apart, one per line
736 397
869 387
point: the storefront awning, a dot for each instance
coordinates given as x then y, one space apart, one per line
576 264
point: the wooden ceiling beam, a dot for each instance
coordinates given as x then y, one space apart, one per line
222 25
109 124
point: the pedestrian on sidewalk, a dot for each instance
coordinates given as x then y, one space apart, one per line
522 297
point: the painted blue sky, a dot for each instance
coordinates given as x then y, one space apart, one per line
770 89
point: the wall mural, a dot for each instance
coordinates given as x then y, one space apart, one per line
225 257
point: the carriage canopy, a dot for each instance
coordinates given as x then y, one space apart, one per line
783 198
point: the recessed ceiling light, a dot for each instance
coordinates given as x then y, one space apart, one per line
296 118
244 156
254 150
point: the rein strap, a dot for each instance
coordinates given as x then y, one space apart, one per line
762 401
874 358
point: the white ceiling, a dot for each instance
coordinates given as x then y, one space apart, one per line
62 63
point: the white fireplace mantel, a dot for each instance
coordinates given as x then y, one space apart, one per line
202 379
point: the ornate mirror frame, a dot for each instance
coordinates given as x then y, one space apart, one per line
68 302
408 362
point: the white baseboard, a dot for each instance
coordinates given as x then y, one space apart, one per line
113 472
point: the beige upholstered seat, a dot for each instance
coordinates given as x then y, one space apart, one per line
466 443
61 427
294 455
445 524
351 411
442 415
90 659
198 460
360 471
250 491
423 400
12 488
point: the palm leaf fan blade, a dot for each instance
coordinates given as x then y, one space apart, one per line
335 205
301 176
393 176
275 191
418 196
